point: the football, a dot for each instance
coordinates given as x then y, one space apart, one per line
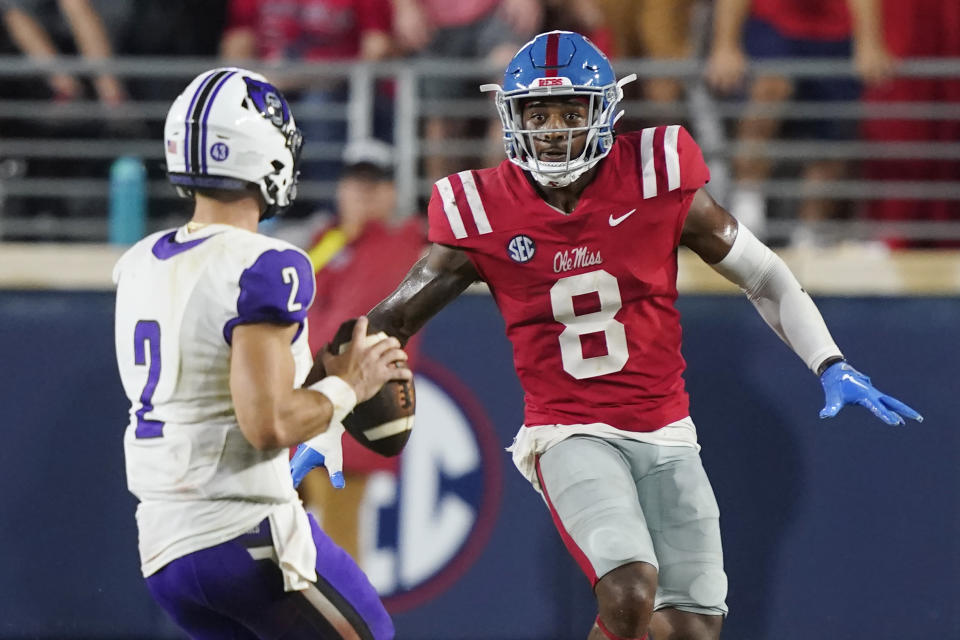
384 422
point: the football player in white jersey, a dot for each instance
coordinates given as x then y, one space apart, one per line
211 343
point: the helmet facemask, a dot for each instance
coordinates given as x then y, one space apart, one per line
277 191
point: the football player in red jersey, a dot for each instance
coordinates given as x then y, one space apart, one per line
577 235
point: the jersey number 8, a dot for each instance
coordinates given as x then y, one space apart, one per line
606 287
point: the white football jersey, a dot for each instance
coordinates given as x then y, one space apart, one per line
179 297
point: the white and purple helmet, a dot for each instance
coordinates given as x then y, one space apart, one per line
230 129
559 63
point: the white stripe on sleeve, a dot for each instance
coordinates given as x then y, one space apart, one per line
646 161
473 199
450 207
672 157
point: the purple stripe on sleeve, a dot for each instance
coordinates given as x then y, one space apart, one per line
167 246
203 122
276 289
186 124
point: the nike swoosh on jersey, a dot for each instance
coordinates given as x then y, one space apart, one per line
615 221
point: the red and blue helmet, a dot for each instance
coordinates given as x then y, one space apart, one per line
559 63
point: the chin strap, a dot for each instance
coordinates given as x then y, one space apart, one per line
558 181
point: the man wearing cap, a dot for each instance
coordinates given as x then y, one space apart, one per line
359 258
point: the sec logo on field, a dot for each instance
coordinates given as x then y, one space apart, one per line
426 526
521 248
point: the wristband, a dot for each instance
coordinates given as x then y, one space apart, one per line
826 364
340 394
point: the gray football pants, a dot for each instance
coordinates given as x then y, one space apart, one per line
619 501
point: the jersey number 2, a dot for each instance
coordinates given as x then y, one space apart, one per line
605 286
147 333
290 277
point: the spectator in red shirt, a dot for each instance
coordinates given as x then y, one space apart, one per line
784 29
359 259
275 30
923 29
310 30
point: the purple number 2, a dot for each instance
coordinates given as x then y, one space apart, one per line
148 331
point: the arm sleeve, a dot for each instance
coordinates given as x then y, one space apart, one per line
781 301
277 288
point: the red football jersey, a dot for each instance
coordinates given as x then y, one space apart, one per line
588 298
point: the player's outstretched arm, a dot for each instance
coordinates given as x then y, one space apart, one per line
272 414
441 275
735 253
332 367
433 282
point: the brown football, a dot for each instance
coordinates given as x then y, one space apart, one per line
384 422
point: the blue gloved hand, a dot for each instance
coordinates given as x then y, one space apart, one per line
843 385
324 450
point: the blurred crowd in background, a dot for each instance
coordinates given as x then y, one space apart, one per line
873 35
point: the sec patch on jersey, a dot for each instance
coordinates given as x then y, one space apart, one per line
384 422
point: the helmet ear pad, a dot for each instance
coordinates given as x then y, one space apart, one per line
231 129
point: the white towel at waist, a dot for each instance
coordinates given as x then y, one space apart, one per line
531 442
